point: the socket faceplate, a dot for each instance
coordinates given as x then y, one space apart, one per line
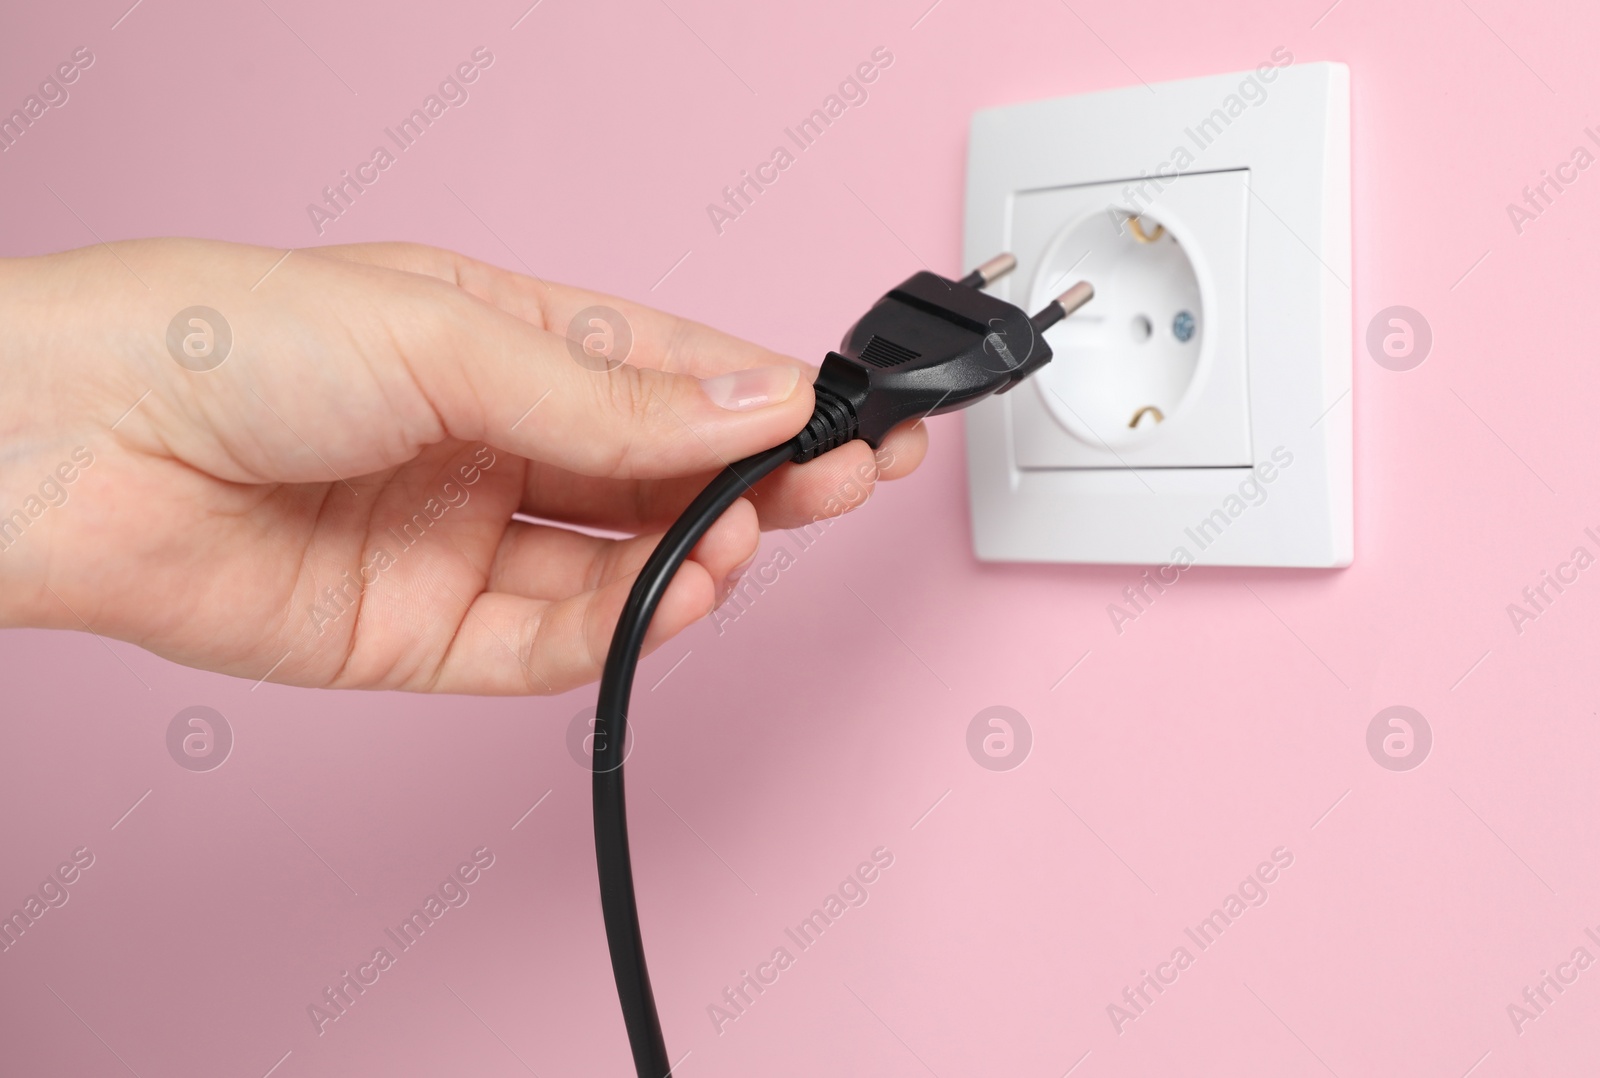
1250 176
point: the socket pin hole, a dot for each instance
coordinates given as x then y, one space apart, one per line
1141 328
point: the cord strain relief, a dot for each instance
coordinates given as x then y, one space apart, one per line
833 423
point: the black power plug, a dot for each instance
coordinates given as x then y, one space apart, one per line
931 345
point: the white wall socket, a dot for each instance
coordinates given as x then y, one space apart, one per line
1197 410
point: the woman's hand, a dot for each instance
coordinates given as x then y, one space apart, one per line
327 498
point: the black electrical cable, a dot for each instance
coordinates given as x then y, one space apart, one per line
617 900
930 346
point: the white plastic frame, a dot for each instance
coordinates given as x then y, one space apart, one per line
1294 506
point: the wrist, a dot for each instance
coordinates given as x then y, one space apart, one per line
33 434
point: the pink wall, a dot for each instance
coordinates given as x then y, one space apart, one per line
1217 728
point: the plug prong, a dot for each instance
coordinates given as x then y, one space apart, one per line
1062 305
991 271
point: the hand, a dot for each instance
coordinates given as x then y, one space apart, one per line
334 501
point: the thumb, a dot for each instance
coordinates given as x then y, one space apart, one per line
494 377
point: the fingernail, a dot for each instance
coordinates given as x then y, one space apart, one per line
758 387
733 579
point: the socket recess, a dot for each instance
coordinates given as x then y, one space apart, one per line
1197 410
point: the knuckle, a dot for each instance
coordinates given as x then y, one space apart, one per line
630 396
527 653
631 393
